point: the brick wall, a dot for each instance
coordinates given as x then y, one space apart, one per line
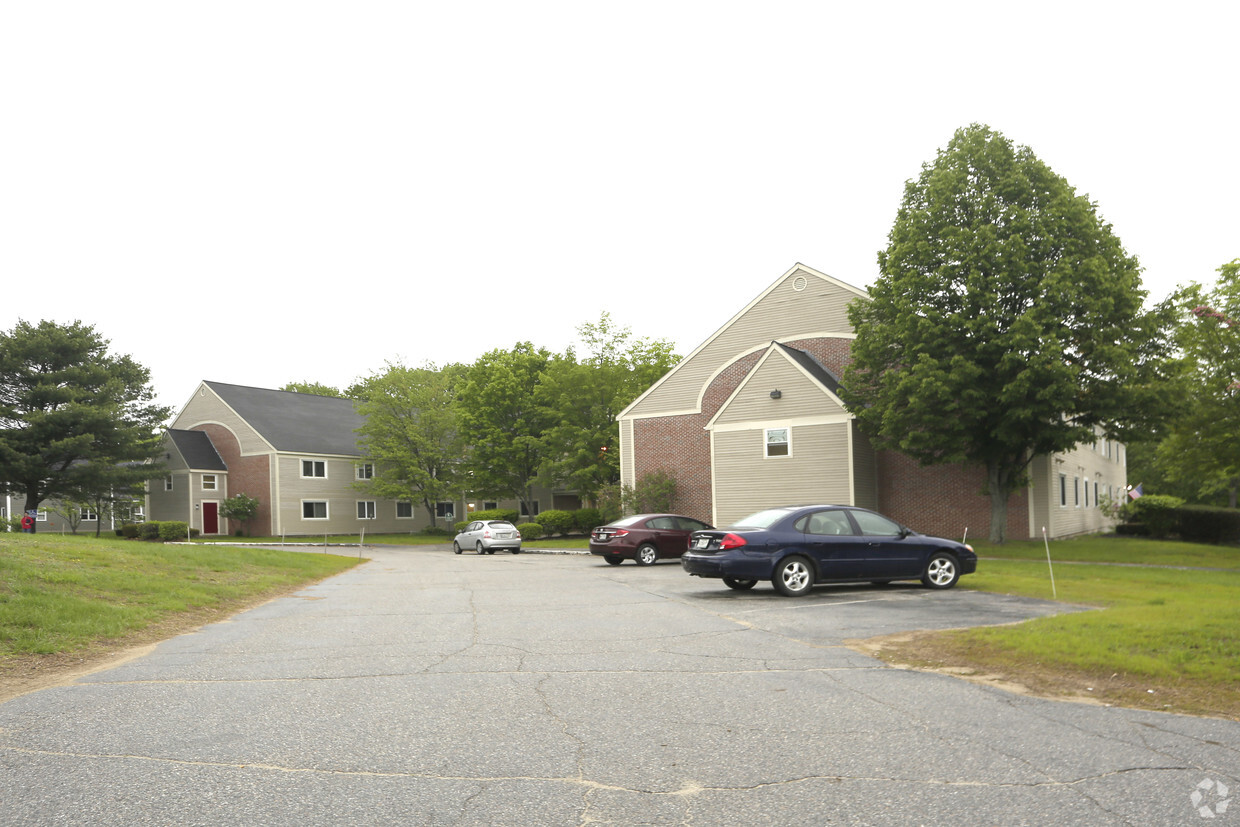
246 475
943 499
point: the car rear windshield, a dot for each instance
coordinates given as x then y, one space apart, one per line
500 524
762 519
624 521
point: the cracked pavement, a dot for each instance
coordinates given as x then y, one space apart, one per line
434 689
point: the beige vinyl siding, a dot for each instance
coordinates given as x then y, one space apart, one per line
746 480
1086 464
206 407
782 313
626 452
865 470
1043 494
800 396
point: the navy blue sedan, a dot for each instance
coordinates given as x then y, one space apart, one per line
797 546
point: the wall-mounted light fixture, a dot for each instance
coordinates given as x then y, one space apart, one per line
775 394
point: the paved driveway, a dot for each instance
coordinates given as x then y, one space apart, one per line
428 688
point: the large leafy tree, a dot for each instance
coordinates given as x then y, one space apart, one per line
1006 322
1200 453
75 420
503 422
584 397
411 433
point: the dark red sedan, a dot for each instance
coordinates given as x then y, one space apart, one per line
644 538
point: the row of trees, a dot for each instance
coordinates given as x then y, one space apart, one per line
512 420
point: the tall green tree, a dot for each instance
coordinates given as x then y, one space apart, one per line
503 422
1006 322
1200 453
584 397
72 416
411 434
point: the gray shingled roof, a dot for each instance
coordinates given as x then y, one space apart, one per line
295 422
197 450
815 368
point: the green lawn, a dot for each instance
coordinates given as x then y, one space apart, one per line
1163 638
68 593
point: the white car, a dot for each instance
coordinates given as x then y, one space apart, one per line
485 536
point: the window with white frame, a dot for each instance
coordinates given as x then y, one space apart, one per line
1097 502
365 509
1087 493
1076 492
313 510
1063 490
445 511
366 471
168 483
313 468
404 510
778 442
41 515
525 512
490 506
208 482
88 515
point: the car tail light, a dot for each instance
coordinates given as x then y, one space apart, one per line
732 541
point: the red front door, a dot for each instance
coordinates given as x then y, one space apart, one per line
210 518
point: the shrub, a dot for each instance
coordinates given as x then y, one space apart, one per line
556 521
1207 524
439 531
149 530
530 531
1157 512
460 526
129 530
585 519
173 530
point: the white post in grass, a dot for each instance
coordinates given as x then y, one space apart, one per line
362 541
1054 594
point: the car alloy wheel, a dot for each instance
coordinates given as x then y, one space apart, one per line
478 547
456 547
793 577
646 555
941 572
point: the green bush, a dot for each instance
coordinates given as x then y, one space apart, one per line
1207 524
172 530
586 519
460 526
439 531
555 521
530 531
1157 512
128 530
149 530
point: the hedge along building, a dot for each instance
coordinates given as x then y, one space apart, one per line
753 418
298 455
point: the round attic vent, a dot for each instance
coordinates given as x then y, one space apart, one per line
800 283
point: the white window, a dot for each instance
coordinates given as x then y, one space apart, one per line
404 510
313 510
41 515
1063 490
208 482
489 506
168 483
313 468
1076 492
778 442
1096 501
525 511
88 515
365 509
445 511
366 471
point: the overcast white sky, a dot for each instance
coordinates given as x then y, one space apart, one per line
262 192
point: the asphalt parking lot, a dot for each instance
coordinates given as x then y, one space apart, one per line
434 689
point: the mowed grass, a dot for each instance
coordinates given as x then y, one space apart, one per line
1160 637
65 594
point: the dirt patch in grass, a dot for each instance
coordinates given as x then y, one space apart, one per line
943 653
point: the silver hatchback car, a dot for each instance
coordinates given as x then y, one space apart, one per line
485 536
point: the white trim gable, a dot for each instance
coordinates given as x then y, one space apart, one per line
753 375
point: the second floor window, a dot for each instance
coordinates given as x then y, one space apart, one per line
366 471
208 482
313 468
